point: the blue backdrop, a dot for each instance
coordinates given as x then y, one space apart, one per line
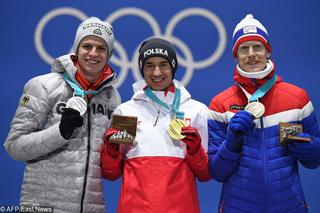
34 32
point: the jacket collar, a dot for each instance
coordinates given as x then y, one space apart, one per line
138 89
252 84
66 63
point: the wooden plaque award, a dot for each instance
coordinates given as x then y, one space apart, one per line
288 133
127 128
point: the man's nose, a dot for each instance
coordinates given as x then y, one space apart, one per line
251 51
157 70
93 51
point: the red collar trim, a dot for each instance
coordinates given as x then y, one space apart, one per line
107 71
249 84
171 88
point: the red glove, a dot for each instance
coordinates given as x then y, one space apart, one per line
192 139
112 148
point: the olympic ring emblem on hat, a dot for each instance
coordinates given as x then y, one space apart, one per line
122 60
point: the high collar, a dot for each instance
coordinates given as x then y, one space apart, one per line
252 84
66 63
106 73
257 75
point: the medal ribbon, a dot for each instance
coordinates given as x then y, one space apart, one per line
174 107
261 91
77 90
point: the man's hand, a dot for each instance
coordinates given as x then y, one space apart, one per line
70 120
305 150
241 123
112 148
192 139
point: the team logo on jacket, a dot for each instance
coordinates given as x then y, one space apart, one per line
95 108
60 107
237 107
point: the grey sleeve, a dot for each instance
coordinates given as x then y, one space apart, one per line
28 138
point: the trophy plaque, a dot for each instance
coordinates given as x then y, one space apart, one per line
288 133
127 128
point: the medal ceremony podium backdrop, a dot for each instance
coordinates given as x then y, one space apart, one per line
34 32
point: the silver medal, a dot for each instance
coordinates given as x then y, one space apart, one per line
77 103
255 108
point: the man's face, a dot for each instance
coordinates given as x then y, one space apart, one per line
157 73
252 56
92 57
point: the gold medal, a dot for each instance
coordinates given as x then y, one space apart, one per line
255 108
77 103
175 129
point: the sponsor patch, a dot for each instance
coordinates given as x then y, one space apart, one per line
236 107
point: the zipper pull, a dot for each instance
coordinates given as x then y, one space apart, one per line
155 123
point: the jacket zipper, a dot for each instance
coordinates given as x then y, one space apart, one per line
87 161
155 123
265 170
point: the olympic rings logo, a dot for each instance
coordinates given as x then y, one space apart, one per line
123 60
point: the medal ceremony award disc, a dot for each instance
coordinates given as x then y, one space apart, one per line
255 108
175 129
77 103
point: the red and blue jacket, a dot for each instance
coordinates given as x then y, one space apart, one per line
264 176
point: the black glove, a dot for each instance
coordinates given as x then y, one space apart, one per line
70 120
240 124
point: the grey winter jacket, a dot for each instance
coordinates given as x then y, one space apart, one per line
61 173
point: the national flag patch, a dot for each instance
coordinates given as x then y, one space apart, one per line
25 100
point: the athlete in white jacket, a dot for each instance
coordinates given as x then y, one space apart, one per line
159 172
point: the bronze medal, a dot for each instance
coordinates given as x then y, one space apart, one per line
257 109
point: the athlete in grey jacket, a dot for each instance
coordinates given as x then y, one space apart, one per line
58 126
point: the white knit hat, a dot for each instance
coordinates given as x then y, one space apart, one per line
250 29
95 27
